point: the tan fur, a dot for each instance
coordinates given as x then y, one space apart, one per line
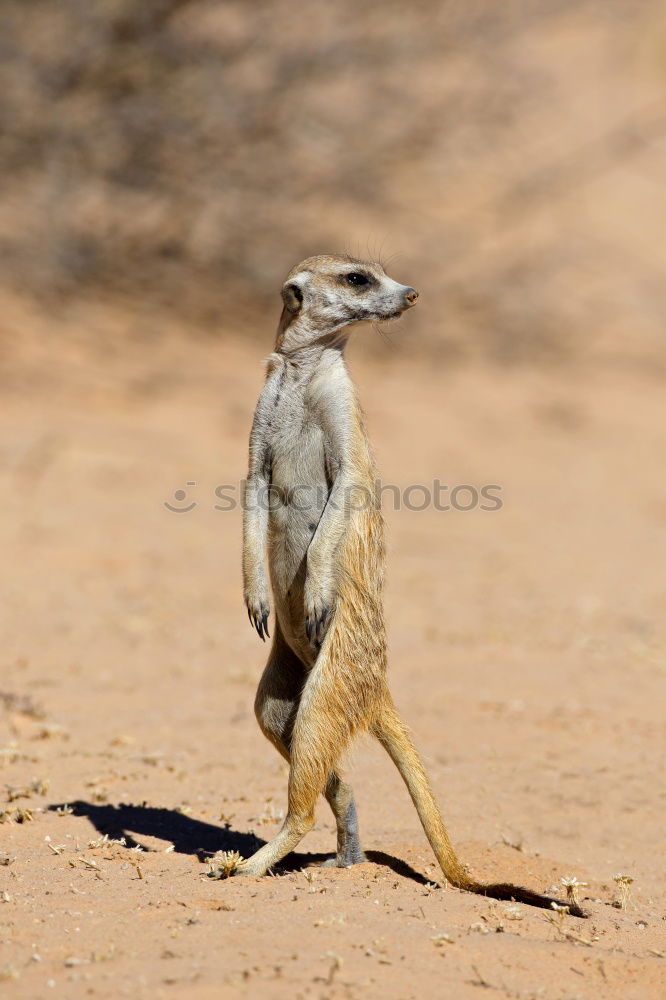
326 674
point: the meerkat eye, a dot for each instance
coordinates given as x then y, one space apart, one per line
357 279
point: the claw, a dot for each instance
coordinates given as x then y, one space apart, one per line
258 621
308 628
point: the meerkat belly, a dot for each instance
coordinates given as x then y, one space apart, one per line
299 491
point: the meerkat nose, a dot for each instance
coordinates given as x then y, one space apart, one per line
411 295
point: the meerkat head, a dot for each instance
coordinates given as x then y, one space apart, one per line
324 294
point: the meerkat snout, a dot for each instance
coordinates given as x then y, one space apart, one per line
411 295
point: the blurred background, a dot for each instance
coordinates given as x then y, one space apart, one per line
185 153
163 164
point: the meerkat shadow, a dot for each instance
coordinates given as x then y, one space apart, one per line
300 859
187 835
194 837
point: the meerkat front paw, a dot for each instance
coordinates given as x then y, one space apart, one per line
258 609
318 606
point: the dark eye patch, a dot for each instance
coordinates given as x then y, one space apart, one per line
358 280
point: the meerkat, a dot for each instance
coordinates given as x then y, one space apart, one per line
311 500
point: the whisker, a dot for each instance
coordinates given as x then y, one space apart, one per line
392 259
384 335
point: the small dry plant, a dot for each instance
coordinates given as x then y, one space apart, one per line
623 883
224 864
558 921
311 879
106 841
439 940
558 918
17 815
9 754
572 885
53 730
38 786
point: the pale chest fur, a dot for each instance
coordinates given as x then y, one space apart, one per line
306 411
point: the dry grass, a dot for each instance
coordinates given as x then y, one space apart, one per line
224 864
624 883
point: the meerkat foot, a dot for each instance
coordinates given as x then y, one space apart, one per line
254 867
255 871
291 834
353 855
349 850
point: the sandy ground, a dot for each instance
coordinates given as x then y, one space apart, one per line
527 654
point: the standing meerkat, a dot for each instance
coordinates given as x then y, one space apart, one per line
311 498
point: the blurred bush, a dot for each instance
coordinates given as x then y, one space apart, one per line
188 152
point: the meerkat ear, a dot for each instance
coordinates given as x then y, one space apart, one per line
292 296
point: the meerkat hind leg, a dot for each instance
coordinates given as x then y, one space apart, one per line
314 750
276 707
349 852
341 800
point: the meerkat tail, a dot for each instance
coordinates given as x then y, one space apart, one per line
394 737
